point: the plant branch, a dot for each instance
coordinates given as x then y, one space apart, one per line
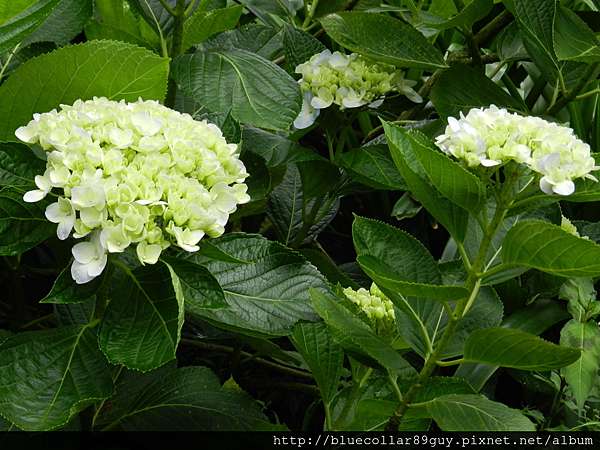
167 7
310 14
176 48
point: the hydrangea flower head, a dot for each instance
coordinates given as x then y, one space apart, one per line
493 136
133 174
376 305
349 81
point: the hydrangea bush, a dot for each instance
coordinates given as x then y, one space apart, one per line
306 216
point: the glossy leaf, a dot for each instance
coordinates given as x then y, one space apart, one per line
203 24
373 166
507 347
18 27
476 413
64 371
142 323
546 247
256 91
382 38
256 38
99 68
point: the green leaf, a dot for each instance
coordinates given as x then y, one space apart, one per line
276 150
65 290
298 219
471 13
403 146
351 328
547 247
476 413
18 165
46 377
199 288
383 38
185 399
454 92
405 208
17 28
322 354
203 24
142 323
299 46
265 284
255 90
397 261
64 23
254 37
573 39
11 9
507 347
99 68
581 376
22 225
373 166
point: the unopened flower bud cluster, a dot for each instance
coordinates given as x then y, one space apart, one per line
133 173
493 136
349 81
373 303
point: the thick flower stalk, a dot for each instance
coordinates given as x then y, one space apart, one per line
133 174
493 136
349 81
376 305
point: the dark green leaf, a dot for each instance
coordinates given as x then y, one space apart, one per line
373 166
46 377
383 38
255 90
299 46
471 13
18 165
277 150
256 38
18 27
507 347
65 290
99 68
203 24
64 23
573 39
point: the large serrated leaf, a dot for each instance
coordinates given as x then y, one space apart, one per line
142 323
265 284
506 347
299 46
253 89
322 354
203 24
457 412
547 247
99 68
185 399
22 225
383 38
256 38
48 376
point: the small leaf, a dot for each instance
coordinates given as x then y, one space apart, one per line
456 412
65 290
256 91
547 247
359 333
203 24
573 39
453 92
142 323
471 13
99 68
22 225
322 354
373 166
382 38
508 347
46 377
581 376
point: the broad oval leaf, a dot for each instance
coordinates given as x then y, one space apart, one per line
98 68
456 412
373 166
265 284
253 89
142 323
547 247
185 399
508 347
22 225
46 377
383 38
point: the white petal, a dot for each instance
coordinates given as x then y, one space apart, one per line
64 228
564 187
376 103
352 102
490 162
319 103
84 252
34 196
96 267
43 183
412 95
546 186
25 134
53 213
305 120
79 273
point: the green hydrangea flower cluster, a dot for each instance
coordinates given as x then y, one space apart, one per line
376 305
493 136
133 173
349 81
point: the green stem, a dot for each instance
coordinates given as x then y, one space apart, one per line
10 57
590 74
453 362
311 13
356 387
176 48
395 387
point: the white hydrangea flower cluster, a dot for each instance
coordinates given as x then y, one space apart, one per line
349 81
133 173
373 302
493 136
